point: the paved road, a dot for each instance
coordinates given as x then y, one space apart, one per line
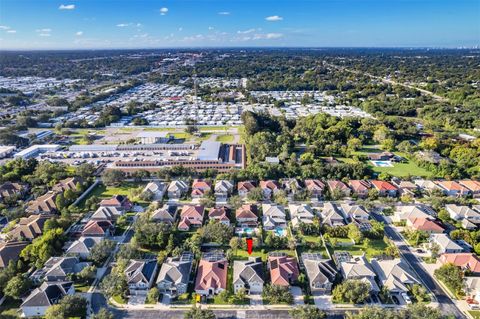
446 305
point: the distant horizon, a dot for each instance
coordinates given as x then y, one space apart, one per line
150 24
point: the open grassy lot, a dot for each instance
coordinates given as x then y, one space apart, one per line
225 138
243 254
475 314
375 248
127 189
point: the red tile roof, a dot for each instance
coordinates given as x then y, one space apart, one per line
383 185
464 260
283 270
211 274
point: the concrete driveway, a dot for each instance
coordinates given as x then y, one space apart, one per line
297 295
256 300
323 302
166 299
136 300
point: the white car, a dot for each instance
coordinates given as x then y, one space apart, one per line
406 298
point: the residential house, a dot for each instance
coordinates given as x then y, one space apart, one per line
246 216
405 187
67 184
174 275
166 214
355 212
290 185
360 187
211 277
445 244
155 190
200 188
427 185
395 275
338 187
321 273
359 268
457 212
248 275
473 187
316 187
273 216
191 216
403 213
29 227
98 228
385 188
383 156
140 275
425 224
106 213
223 189
283 270
301 213
58 269
219 214
452 188
244 188
9 189
48 294
177 189
44 204
466 261
120 202
82 246
269 188
331 216
10 251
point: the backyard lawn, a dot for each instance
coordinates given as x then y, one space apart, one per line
101 191
243 254
375 248
225 138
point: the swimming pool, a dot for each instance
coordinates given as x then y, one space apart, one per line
382 163
244 230
281 232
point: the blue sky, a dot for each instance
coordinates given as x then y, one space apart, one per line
44 24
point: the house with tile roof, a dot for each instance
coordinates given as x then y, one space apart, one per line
48 294
67 184
155 190
244 188
452 188
301 213
10 251
331 215
316 187
191 216
395 275
269 188
29 227
405 212
360 187
82 246
385 188
359 268
140 275
166 214
211 277
44 204
248 275
223 189
200 188
247 216
120 202
405 187
98 228
106 213
274 216
219 214
426 225
336 186
466 261
290 185
445 244
427 186
321 272
177 189
284 270
458 212
174 274
354 212
473 186
9 189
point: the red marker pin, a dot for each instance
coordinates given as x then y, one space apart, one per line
249 245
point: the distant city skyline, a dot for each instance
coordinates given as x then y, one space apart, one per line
99 24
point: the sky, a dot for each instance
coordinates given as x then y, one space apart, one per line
89 24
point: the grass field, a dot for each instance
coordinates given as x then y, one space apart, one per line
475 314
225 138
375 248
101 191
243 254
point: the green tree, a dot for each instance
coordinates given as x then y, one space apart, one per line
103 314
113 177
274 294
354 233
153 295
100 251
114 284
198 313
307 312
17 287
451 276
351 291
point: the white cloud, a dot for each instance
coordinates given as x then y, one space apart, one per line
224 13
44 34
11 31
267 36
123 25
45 30
211 28
4 27
66 7
163 11
274 18
79 33
180 29
247 31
